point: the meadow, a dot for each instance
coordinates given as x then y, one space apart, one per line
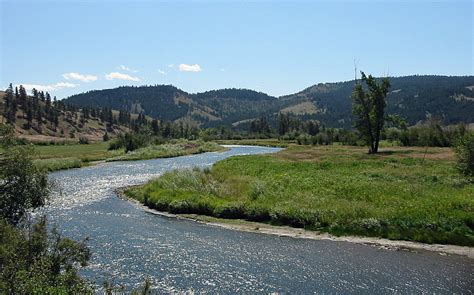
404 193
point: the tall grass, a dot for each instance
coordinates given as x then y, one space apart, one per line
339 190
58 163
178 148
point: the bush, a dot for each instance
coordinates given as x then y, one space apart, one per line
36 260
465 153
129 141
83 140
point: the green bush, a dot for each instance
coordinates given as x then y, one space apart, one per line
465 153
83 140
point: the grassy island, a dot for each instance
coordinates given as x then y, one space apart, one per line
400 193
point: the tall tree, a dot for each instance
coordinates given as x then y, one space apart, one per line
23 186
10 105
369 108
32 261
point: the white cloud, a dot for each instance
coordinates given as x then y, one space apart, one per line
125 68
80 77
161 72
189 68
170 65
120 76
49 87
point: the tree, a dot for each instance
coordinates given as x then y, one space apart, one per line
465 153
10 105
22 185
33 260
369 109
283 123
106 136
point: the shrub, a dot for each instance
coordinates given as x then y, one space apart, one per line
230 210
465 153
83 140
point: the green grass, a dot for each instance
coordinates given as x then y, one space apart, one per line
179 148
59 157
335 189
58 163
85 152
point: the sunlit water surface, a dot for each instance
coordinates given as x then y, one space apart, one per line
130 245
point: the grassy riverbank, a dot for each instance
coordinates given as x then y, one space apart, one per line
399 194
67 156
270 142
168 150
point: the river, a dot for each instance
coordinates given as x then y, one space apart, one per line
129 244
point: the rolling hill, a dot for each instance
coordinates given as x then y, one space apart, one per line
450 99
70 125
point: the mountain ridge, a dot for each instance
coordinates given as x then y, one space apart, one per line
449 98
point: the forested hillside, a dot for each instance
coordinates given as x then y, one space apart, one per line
39 117
450 99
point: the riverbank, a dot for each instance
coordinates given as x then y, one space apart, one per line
68 156
399 194
169 150
270 142
299 233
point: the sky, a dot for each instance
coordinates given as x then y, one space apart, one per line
277 47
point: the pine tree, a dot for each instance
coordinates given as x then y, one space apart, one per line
8 103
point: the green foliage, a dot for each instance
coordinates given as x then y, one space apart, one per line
335 189
57 163
465 153
369 109
431 133
32 261
35 261
23 186
83 140
7 136
129 141
106 137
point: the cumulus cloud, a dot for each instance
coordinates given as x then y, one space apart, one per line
161 72
189 68
121 76
125 68
49 87
80 77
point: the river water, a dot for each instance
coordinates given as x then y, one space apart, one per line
130 245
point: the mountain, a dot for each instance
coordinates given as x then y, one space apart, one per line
166 102
412 97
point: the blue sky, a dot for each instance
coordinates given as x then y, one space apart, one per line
279 48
